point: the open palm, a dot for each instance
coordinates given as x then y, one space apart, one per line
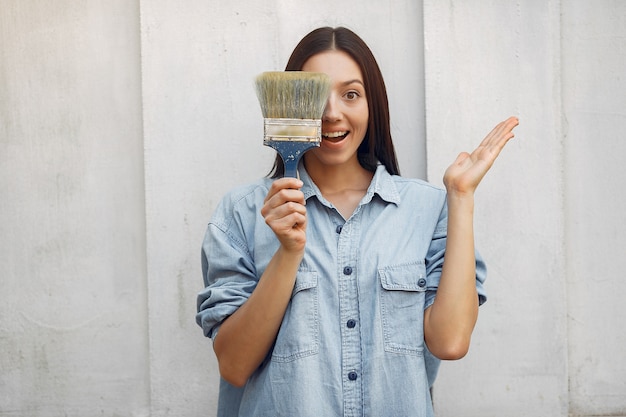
466 172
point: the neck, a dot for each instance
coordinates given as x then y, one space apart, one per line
332 179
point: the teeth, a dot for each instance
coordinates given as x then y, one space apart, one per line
334 134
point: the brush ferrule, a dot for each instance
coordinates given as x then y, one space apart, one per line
292 130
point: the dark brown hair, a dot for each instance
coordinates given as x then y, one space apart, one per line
377 145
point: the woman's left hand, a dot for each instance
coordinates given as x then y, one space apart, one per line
464 175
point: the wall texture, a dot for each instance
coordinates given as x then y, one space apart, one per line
549 217
484 64
122 123
73 324
593 120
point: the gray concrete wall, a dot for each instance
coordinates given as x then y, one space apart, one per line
593 120
122 123
550 216
73 322
486 63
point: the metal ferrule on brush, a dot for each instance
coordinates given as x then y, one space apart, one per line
292 130
291 138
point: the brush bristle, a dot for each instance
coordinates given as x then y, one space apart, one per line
293 94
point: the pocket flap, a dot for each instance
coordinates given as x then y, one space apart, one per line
405 277
304 281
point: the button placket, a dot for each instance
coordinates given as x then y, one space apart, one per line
347 258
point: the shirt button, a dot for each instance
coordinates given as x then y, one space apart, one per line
352 376
421 282
338 229
351 323
347 270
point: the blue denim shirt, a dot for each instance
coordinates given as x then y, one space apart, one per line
352 339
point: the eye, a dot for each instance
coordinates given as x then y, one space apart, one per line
352 95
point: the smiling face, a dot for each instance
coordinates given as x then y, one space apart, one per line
345 118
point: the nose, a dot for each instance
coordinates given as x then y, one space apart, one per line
331 111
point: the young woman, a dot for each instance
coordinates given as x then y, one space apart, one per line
328 295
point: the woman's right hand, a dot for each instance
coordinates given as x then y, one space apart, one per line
285 214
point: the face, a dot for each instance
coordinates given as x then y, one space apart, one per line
345 118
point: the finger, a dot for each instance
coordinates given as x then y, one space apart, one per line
283 184
286 223
273 213
289 208
491 151
283 197
502 129
498 137
284 226
506 127
284 189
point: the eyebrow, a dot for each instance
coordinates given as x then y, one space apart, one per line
347 83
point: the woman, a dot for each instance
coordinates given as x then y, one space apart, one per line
326 295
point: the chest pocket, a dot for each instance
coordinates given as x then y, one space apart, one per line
299 332
402 300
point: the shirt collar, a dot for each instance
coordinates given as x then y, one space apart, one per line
382 184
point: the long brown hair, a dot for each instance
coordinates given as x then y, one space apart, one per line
377 146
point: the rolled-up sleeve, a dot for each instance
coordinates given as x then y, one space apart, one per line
229 277
435 259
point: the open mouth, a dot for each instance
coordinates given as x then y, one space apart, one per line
334 136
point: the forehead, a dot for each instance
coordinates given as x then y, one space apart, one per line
337 64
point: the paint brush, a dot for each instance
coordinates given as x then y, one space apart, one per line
292 103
